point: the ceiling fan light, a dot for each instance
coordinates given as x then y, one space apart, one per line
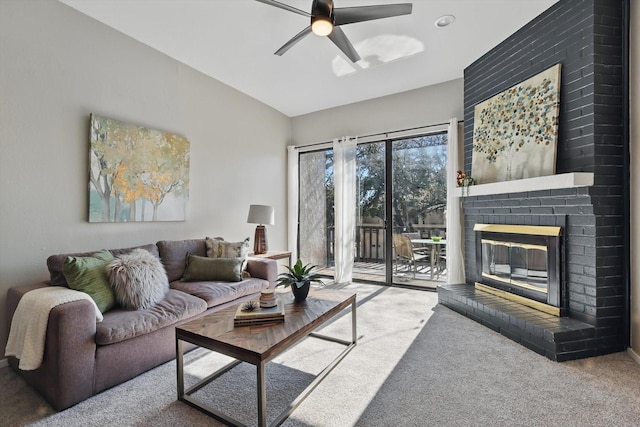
321 26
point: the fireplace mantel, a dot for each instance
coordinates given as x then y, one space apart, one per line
550 182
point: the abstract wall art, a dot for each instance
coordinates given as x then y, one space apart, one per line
515 132
136 174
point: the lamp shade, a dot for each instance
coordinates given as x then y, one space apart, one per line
261 214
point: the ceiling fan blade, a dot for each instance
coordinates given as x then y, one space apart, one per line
340 39
295 39
285 7
350 15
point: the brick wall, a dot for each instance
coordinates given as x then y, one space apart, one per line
585 36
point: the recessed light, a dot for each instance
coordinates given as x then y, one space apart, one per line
444 20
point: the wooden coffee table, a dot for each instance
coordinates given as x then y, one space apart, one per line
258 344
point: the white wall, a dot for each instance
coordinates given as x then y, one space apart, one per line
428 105
634 147
56 67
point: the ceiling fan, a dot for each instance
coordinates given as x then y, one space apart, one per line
326 21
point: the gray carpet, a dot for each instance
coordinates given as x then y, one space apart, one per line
416 364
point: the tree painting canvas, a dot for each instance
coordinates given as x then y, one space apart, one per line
515 133
136 174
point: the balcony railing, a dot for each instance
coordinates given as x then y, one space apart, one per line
370 240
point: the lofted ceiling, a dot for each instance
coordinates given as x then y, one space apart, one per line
233 41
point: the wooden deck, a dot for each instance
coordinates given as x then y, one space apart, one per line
375 272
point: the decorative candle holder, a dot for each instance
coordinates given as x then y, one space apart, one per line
268 299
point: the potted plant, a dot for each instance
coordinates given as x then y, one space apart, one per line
299 277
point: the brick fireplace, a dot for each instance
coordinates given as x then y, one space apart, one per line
586 36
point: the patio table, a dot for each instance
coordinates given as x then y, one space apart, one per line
434 250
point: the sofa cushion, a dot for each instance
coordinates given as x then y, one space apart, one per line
56 262
138 279
216 293
173 254
119 324
88 274
215 269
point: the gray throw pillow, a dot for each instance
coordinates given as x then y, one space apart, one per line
138 279
215 269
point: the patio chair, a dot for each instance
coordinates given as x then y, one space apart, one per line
404 254
442 261
417 249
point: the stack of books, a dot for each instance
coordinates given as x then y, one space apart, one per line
259 315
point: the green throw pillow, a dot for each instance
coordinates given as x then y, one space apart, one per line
218 248
89 275
203 268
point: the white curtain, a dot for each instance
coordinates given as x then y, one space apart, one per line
344 155
292 202
455 260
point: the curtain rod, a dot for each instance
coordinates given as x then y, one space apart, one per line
380 134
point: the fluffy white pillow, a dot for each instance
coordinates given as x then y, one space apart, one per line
138 279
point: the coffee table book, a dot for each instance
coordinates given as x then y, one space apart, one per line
259 315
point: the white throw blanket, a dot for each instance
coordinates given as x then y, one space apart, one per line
29 323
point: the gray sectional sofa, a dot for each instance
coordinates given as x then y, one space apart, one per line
83 357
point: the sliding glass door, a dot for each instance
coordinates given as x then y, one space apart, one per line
394 235
419 199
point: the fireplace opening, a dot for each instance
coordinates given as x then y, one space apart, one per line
521 263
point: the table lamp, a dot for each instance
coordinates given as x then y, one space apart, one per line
260 214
